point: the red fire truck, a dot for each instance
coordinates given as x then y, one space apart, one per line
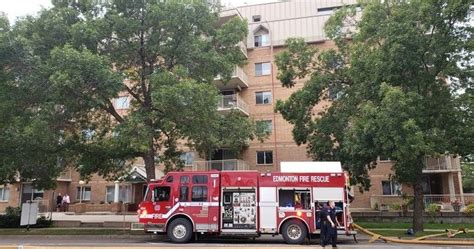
246 203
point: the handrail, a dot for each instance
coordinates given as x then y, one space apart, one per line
232 101
226 164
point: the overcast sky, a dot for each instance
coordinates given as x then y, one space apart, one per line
16 8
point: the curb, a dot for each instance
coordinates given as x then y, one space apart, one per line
102 236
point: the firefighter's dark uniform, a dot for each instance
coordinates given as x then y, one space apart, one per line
323 225
331 232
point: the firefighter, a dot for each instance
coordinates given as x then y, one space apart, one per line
323 224
331 225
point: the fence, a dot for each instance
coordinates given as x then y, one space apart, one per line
381 201
230 164
232 101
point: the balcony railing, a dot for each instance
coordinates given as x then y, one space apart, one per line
238 79
446 163
65 175
234 101
243 48
443 199
229 164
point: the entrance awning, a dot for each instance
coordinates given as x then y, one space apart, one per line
136 175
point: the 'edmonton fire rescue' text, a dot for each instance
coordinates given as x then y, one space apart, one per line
300 178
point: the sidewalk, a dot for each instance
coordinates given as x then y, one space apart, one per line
94 217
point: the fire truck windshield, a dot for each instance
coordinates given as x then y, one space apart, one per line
161 194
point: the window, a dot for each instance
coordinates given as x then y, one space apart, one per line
263 68
267 124
184 180
161 193
300 199
4 193
88 134
109 194
391 188
122 102
333 93
262 98
261 40
85 195
187 158
200 179
256 18
199 193
169 179
125 194
31 193
183 193
264 157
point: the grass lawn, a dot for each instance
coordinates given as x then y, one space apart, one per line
68 231
370 225
399 229
398 233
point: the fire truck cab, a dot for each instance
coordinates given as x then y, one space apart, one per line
246 203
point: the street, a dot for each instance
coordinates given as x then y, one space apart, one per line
91 241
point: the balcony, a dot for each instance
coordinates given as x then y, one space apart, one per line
243 48
238 80
442 164
227 14
229 165
232 102
65 176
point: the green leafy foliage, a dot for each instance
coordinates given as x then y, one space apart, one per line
469 209
12 217
433 209
467 176
61 70
399 82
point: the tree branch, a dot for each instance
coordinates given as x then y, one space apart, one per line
111 110
135 95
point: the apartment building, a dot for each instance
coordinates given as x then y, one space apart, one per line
253 91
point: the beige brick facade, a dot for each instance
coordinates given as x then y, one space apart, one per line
282 24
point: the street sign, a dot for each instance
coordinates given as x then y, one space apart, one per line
29 212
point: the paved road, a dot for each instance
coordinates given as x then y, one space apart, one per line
91 241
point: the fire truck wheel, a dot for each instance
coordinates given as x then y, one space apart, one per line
294 232
180 231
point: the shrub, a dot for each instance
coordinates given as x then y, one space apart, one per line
469 209
43 222
13 211
11 219
395 206
433 209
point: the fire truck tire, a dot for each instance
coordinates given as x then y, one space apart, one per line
294 232
180 231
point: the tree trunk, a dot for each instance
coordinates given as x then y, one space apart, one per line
418 206
149 159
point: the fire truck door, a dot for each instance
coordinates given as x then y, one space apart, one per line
268 209
161 199
214 207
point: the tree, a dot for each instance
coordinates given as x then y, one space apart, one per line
164 55
467 167
394 81
29 150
